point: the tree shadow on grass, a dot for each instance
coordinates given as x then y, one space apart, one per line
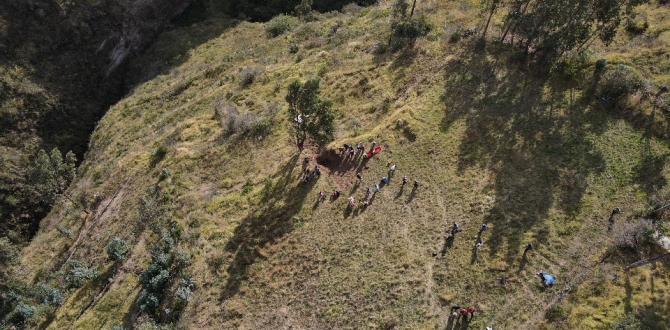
266 224
524 129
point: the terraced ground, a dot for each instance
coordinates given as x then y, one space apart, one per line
489 140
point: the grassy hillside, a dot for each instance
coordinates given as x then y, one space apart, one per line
489 139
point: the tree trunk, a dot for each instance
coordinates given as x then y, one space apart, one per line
494 6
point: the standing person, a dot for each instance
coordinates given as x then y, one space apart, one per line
385 180
479 244
336 194
454 311
484 228
373 145
529 247
322 196
392 169
360 148
377 189
352 202
455 229
317 171
359 176
405 179
416 184
305 164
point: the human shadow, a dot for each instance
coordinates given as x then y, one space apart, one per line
447 244
269 221
412 195
523 128
400 191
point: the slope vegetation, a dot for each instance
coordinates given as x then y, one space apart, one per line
535 156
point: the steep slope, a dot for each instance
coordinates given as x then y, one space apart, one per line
489 141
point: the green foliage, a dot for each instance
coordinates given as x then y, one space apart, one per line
50 176
117 250
77 274
50 296
20 315
280 25
629 322
309 114
168 262
158 155
619 82
555 313
637 25
552 28
405 28
304 8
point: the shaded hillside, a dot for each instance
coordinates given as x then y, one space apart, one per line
542 156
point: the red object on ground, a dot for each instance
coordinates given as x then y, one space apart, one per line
374 151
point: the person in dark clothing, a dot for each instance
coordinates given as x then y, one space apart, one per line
336 194
405 179
455 229
416 184
528 248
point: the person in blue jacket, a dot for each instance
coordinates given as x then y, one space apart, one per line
547 279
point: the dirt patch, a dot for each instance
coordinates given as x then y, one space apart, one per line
341 169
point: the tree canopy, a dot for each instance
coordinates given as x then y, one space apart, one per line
309 114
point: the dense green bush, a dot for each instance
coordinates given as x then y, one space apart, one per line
168 263
405 27
280 25
49 296
117 249
77 274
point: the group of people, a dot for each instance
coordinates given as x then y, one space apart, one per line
307 175
466 313
354 152
349 152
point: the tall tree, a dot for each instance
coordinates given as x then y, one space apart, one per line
552 28
310 116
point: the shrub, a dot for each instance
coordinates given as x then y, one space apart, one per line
601 64
555 313
50 296
637 25
248 75
246 124
158 155
77 274
280 24
293 48
21 314
455 36
629 322
405 32
634 235
117 249
619 82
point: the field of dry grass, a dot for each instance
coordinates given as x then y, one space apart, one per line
490 142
